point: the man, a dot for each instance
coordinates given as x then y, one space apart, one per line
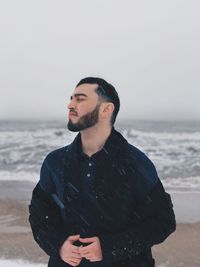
99 201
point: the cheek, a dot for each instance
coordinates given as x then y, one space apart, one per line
83 108
86 107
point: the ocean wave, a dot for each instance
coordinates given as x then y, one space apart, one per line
32 177
180 184
174 154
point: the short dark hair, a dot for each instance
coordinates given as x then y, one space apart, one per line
106 92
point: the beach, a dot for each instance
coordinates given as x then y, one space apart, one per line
16 241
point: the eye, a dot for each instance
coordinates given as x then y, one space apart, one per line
80 99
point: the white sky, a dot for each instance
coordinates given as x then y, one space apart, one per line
149 50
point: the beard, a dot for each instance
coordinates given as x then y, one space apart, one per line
86 121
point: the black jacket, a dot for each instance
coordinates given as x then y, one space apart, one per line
127 206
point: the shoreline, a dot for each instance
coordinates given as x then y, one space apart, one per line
186 206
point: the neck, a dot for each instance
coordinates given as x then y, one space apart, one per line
94 138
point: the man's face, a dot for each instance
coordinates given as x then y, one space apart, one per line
83 108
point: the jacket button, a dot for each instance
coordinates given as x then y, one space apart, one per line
46 217
114 253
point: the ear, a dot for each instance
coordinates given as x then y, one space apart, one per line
107 109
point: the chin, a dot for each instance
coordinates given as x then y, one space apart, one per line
71 127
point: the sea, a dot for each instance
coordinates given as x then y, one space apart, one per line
173 147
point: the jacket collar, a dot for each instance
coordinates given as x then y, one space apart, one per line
114 145
113 151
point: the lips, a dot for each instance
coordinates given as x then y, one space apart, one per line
72 114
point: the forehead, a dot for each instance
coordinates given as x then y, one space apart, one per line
87 89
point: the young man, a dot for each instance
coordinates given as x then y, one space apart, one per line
99 201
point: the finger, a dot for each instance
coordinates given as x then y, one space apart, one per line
75 254
76 257
86 248
74 260
95 260
88 257
83 250
87 240
67 259
73 237
75 248
85 254
72 263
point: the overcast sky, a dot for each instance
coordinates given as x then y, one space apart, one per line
149 50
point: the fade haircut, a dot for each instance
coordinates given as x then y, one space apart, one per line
106 93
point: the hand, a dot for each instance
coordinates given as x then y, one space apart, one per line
70 253
93 251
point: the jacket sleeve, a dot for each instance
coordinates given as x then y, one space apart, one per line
152 221
45 216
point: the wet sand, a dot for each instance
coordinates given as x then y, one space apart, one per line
182 248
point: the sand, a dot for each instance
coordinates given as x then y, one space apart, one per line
182 248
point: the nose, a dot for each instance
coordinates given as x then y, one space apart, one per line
71 105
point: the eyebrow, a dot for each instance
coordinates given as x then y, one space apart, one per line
78 94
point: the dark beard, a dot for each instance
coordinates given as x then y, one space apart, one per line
86 121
